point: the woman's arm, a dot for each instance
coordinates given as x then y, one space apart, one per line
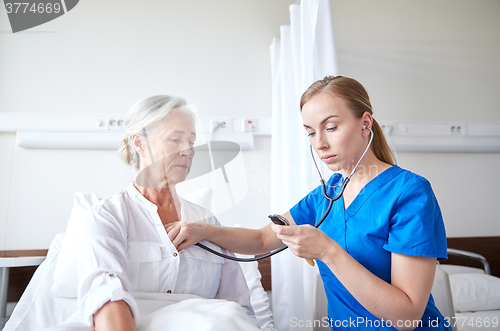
238 240
114 315
103 269
403 300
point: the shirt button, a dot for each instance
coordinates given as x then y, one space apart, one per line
169 291
175 254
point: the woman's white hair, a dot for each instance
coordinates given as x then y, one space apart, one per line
144 119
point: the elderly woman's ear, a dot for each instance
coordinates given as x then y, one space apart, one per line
139 145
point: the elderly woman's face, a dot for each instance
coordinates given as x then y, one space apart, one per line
173 146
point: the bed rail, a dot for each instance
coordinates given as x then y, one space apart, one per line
472 256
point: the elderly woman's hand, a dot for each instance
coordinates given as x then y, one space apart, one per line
183 234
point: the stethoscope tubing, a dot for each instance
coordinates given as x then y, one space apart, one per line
241 259
253 259
325 215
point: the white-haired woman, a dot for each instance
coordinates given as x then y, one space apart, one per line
128 249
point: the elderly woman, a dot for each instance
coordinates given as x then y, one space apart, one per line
128 249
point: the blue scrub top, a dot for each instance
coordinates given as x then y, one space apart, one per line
395 212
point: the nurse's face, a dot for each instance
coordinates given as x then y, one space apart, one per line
334 133
172 147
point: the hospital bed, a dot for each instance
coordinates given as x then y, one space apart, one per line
42 305
468 297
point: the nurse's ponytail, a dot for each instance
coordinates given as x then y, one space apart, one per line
359 102
379 145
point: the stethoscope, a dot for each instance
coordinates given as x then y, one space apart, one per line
280 219
283 220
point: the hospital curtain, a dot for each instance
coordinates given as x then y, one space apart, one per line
304 53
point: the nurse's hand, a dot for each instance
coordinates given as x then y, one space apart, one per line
183 234
306 241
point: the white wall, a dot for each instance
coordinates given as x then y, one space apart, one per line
101 57
419 60
425 60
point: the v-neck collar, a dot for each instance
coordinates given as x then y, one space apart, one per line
380 180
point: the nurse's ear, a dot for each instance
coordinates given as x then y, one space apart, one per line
367 121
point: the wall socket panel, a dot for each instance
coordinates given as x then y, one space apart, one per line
245 125
221 125
249 125
388 128
457 129
115 123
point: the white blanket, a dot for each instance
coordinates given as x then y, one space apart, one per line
161 311
38 309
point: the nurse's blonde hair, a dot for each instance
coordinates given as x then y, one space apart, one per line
358 100
144 119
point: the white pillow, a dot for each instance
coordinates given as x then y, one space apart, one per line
475 292
65 274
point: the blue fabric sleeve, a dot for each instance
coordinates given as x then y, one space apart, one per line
416 226
305 211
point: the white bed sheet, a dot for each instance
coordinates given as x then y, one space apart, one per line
38 309
485 320
178 312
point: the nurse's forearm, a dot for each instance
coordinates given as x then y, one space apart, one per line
384 300
244 241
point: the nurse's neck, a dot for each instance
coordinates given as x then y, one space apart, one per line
369 168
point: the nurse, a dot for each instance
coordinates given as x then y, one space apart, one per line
378 247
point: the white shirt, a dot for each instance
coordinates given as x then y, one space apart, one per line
128 250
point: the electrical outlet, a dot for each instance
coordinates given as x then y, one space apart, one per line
115 123
387 128
221 125
457 129
249 125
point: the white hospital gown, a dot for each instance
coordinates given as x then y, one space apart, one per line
127 250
